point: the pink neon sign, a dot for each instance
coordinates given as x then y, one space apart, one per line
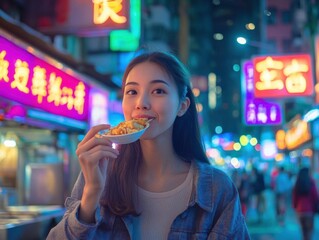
28 79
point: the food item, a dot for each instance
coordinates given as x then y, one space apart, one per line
129 126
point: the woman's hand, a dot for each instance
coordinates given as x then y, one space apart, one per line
93 154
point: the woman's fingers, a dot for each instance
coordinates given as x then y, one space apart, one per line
98 152
93 155
93 131
94 163
88 144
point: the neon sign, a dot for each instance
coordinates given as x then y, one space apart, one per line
283 76
105 9
257 111
34 82
128 40
317 68
99 106
297 134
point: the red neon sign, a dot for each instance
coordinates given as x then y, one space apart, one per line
283 76
34 82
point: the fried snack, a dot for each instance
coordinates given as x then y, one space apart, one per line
129 126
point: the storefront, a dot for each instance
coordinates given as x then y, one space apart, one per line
45 108
295 144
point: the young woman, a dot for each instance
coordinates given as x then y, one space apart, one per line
305 200
161 186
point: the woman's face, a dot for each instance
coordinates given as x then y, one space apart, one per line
150 93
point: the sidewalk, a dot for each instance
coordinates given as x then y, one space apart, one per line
269 229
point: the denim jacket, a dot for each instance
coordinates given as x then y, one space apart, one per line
214 212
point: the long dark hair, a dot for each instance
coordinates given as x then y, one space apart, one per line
187 143
303 182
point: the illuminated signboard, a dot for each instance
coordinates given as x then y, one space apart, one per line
104 11
88 17
283 76
317 68
99 107
128 40
268 149
257 111
298 134
30 80
280 139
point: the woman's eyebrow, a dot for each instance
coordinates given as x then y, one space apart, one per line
131 83
153 82
159 81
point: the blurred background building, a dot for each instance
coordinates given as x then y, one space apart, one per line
202 33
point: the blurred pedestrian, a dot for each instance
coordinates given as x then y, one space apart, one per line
258 188
282 187
305 201
273 175
244 190
236 177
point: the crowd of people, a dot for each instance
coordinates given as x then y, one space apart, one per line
298 191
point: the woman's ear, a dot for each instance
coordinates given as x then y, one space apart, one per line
183 107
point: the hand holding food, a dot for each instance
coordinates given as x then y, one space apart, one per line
93 154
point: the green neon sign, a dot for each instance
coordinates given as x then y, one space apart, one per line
128 40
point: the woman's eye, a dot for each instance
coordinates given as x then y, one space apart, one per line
130 92
159 91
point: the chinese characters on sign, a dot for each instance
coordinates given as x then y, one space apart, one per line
257 111
105 9
30 80
282 76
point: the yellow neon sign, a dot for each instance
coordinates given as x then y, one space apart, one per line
268 74
108 9
4 65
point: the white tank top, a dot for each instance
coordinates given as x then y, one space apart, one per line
158 210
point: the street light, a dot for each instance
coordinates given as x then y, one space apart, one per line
241 40
261 45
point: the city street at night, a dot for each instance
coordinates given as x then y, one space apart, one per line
158 119
270 229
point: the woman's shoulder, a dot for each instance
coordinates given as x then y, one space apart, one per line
218 176
209 168
213 186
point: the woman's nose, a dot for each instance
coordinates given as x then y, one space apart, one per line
143 103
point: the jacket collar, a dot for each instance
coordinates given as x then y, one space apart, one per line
202 186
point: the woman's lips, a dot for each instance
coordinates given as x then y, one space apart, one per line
144 116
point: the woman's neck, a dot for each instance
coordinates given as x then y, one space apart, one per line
158 156
161 168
